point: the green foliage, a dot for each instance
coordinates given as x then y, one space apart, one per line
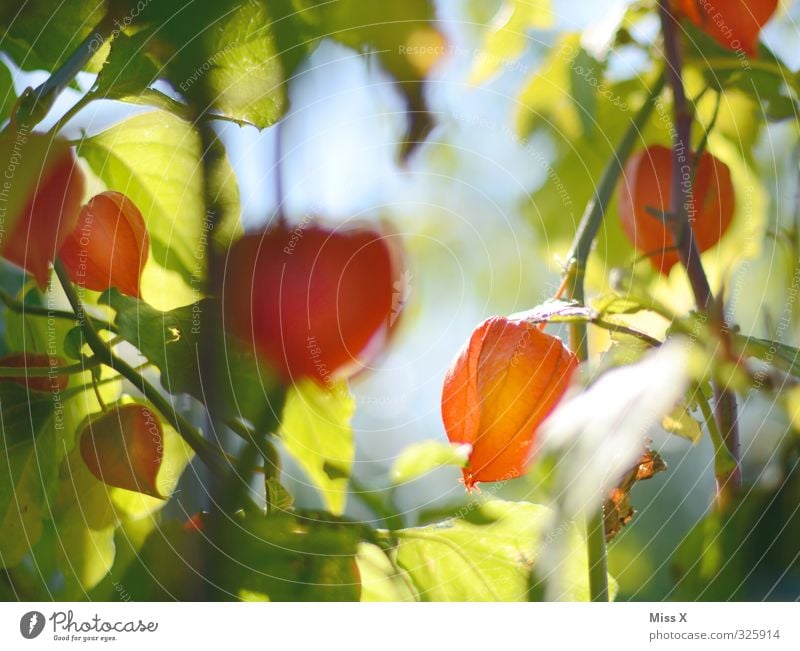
7 94
316 431
683 423
43 34
88 513
244 387
29 446
506 38
381 579
766 80
235 56
490 553
275 558
129 70
420 458
749 552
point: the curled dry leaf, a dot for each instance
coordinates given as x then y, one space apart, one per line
618 510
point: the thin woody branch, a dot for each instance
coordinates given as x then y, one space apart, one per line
686 247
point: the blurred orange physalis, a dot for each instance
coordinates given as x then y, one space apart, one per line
40 196
109 246
645 190
734 24
51 382
505 381
314 302
124 447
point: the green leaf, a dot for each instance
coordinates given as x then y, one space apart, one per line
74 342
244 386
155 159
7 95
380 580
128 70
506 38
236 56
491 553
586 77
765 80
682 423
281 557
773 352
613 303
420 458
459 560
32 332
316 431
28 468
41 35
278 498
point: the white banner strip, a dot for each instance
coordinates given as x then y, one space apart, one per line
385 627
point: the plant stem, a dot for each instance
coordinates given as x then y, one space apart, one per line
596 208
210 455
381 506
723 460
36 103
72 112
625 330
598 564
47 371
724 401
576 268
19 307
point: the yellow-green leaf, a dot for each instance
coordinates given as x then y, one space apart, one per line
316 431
155 159
506 38
420 458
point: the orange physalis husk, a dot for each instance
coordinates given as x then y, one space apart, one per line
53 382
124 447
32 236
314 302
109 246
645 191
734 24
505 381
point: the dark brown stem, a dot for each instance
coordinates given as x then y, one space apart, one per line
725 401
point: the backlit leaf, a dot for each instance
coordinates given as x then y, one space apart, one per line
315 430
